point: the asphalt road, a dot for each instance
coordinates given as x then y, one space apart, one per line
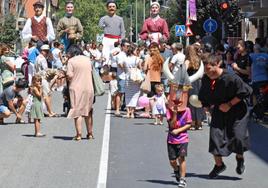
55 161
137 155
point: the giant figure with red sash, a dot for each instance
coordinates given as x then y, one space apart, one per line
113 27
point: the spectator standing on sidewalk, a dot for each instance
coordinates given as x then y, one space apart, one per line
121 76
36 108
79 74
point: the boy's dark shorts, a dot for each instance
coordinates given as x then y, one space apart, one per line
177 150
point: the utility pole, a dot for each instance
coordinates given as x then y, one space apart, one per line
136 24
143 10
131 25
187 17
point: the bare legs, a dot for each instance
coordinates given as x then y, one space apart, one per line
48 104
117 103
78 126
89 123
130 112
181 167
89 126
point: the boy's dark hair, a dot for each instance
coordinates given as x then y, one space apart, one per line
124 42
116 44
212 59
56 44
74 50
208 48
21 83
220 48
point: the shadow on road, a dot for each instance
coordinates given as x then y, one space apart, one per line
220 177
63 137
28 135
259 140
164 182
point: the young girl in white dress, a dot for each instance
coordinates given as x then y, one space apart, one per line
159 106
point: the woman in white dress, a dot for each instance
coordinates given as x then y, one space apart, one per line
132 89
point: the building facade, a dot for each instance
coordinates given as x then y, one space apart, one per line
255 23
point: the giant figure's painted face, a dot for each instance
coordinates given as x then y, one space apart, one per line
155 10
69 8
111 8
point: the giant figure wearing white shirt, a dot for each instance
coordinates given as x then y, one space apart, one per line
113 27
39 27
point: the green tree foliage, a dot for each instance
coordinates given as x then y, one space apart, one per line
89 13
9 34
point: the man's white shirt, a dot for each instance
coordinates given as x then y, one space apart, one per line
27 29
177 60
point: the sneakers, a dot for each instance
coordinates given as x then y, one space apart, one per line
240 168
216 171
182 183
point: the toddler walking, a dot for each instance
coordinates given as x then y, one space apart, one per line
113 86
36 110
29 105
159 105
177 141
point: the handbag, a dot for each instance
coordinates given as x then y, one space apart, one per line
7 78
146 84
97 83
136 75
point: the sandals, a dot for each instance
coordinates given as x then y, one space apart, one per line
20 121
40 135
117 114
53 115
90 136
77 138
2 121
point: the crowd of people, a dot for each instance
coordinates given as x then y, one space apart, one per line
148 79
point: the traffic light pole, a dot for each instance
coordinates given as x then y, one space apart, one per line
222 29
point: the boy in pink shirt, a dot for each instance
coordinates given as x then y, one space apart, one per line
177 141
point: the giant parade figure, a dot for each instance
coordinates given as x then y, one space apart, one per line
114 29
38 27
154 28
69 28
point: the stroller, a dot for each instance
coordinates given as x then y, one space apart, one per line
260 111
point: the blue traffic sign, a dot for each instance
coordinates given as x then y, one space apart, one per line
210 25
180 30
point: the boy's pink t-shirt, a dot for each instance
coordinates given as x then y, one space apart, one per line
183 118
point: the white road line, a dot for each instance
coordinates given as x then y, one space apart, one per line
103 170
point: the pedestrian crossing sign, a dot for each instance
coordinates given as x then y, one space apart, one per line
179 30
